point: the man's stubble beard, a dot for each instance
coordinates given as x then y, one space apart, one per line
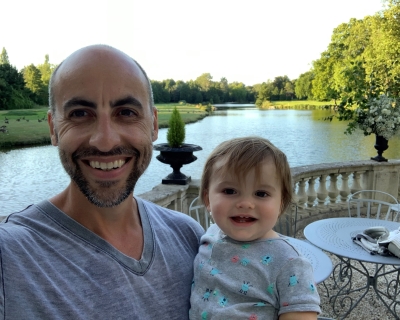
101 195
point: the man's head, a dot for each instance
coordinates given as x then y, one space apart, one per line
52 103
104 122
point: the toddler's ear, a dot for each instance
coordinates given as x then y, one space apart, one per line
206 200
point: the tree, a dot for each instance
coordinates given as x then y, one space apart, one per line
323 87
46 69
264 93
238 91
33 78
184 93
160 93
4 57
289 90
224 87
303 86
204 81
13 93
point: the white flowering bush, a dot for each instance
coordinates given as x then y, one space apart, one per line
380 115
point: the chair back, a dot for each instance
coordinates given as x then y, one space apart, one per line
284 227
373 204
198 211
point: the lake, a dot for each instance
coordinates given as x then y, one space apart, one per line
31 174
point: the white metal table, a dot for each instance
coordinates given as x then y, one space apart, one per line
335 235
321 263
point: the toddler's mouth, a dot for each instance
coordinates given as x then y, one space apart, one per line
243 219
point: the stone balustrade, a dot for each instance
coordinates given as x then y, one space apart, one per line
321 191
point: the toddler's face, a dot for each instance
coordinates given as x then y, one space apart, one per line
246 209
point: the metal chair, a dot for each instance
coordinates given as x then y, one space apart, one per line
373 204
198 211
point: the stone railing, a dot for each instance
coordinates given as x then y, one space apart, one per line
321 191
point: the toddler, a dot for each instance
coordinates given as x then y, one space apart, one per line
244 269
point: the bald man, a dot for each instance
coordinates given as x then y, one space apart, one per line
95 251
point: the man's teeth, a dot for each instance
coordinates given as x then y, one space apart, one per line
107 165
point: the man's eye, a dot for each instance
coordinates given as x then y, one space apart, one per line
127 112
78 113
229 191
261 194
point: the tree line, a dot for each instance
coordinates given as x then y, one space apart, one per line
26 88
29 87
362 53
363 56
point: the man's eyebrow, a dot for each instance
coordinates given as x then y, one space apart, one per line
79 102
129 100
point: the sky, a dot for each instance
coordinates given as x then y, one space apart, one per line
249 41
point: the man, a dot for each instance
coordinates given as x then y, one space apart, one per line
94 251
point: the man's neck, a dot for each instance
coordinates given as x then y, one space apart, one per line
119 225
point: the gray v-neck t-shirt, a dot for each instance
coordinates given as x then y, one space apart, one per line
54 268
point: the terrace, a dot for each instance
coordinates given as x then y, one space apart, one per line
321 191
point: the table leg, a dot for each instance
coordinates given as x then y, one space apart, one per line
392 289
342 301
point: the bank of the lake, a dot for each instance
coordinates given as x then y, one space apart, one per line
28 175
28 127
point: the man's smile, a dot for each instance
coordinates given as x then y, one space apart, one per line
107 165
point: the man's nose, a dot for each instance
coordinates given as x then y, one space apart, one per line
105 136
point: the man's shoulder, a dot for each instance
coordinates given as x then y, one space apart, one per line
27 213
20 228
164 215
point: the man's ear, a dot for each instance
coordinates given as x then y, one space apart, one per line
53 133
154 133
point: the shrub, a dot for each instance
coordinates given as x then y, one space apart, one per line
176 129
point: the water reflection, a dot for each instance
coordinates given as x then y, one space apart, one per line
32 174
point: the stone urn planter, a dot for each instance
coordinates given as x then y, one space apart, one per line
381 144
176 157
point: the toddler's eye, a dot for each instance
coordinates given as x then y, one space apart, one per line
229 191
261 194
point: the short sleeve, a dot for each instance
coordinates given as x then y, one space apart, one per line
297 288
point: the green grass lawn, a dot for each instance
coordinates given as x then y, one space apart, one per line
301 104
189 113
24 127
28 127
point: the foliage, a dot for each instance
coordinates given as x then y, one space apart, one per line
46 69
266 104
176 130
361 69
4 57
372 105
13 93
303 86
204 90
32 78
25 88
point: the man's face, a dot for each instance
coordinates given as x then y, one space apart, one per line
103 124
